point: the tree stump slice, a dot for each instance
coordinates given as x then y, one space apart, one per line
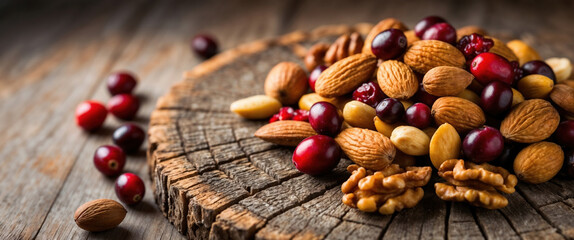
213 179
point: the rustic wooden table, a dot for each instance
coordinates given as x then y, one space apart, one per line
54 55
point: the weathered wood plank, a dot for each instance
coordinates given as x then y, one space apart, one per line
561 216
525 220
461 223
494 225
298 223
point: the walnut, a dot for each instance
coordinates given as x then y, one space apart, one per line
346 45
315 56
477 184
490 199
388 190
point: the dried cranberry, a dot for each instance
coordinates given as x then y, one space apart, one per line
121 82
389 44
286 113
315 75
204 45
483 144
274 118
426 23
325 119
390 110
488 67
369 93
539 67
474 44
130 188
418 115
496 98
301 115
442 32
90 115
129 137
124 106
564 134
423 96
517 71
316 155
109 160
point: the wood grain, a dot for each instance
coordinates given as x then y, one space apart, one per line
55 54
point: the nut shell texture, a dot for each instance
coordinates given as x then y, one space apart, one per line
345 75
99 215
539 162
530 121
286 82
286 132
462 114
369 149
425 55
446 81
397 80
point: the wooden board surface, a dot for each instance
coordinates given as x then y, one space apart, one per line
53 55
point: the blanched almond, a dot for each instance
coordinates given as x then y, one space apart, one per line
256 107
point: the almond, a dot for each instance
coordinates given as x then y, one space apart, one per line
563 96
256 107
538 162
444 145
425 55
309 99
286 132
397 80
530 121
99 215
366 148
383 25
562 67
385 128
517 97
359 114
470 96
286 82
523 51
446 81
467 30
411 37
410 140
535 86
345 75
501 49
462 114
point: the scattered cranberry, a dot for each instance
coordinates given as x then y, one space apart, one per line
130 188
109 160
286 113
569 163
325 119
496 98
423 96
418 115
474 44
389 44
442 32
538 67
90 115
301 115
564 134
121 82
426 23
315 75
369 93
517 71
204 46
488 67
274 118
316 155
483 144
129 137
390 110
124 106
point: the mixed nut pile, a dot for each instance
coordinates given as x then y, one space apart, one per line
479 108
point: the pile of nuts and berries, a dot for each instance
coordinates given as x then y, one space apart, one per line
486 113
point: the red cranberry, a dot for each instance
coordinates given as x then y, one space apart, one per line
130 188
442 32
390 110
316 155
426 23
496 98
324 118
109 160
286 113
204 46
129 137
121 82
315 75
301 115
564 134
538 67
488 67
483 144
90 115
569 163
418 115
423 96
517 71
369 93
389 44
274 118
474 44
124 106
